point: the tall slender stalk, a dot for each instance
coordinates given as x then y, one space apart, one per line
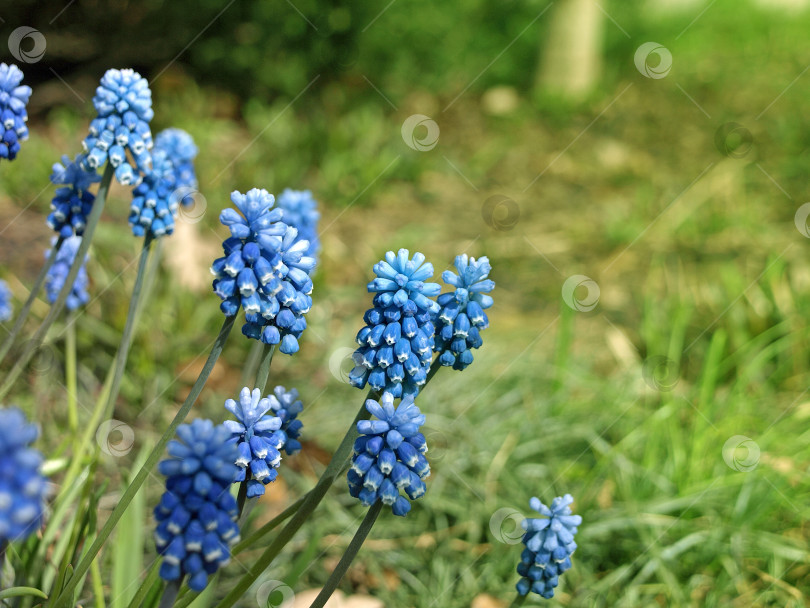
32 295
140 477
263 372
56 308
348 556
311 502
71 381
519 601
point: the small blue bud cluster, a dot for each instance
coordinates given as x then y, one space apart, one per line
462 315
123 102
549 545
180 148
58 274
389 455
13 115
6 310
301 212
153 207
72 202
397 342
197 515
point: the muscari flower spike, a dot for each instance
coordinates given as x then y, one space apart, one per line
197 515
549 545
257 438
6 311
462 317
22 486
180 148
72 202
396 344
265 271
13 115
58 273
301 212
286 405
124 105
154 207
389 455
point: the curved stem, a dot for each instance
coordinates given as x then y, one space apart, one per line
143 473
268 527
519 601
71 382
32 295
146 585
56 308
263 372
169 594
348 556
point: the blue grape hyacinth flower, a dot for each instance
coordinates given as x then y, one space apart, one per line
181 150
22 486
397 342
264 271
462 317
389 455
153 209
286 405
72 202
197 516
257 438
301 212
13 114
6 310
549 544
123 102
58 273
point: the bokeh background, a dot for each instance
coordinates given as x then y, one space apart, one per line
642 208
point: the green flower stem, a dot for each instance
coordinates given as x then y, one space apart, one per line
140 477
252 362
71 382
263 372
310 502
23 314
271 525
170 594
146 585
56 308
519 601
348 556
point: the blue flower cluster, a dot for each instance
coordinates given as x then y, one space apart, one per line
181 150
397 342
22 486
197 516
389 455
462 316
549 545
13 99
301 212
153 207
73 202
286 405
123 102
6 311
257 436
265 271
58 273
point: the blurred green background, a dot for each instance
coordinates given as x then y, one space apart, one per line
677 196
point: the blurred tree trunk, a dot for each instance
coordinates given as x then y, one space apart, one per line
571 61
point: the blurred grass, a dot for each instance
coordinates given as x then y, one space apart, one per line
696 256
